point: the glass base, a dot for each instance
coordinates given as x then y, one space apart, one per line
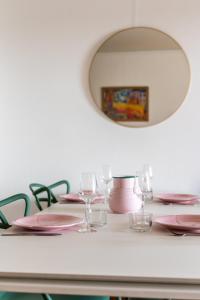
141 228
147 196
87 229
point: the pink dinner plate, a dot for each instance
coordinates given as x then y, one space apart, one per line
75 198
178 198
48 222
183 222
189 202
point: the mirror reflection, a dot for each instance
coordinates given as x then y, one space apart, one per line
139 77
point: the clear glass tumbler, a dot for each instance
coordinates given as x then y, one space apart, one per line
141 222
97 217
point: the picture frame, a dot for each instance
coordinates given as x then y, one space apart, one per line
126 104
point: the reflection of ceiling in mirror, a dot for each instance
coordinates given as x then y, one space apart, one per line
139 39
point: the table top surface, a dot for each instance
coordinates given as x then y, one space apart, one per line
113 253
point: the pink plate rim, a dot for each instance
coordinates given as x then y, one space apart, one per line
186 202
177 197
75 198
48 221
184 221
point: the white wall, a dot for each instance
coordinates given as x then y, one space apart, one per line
49 128
165 72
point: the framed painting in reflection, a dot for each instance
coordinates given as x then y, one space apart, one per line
126 103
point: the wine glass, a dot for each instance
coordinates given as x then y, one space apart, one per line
148 169
146 183
138 187
107 179
87 193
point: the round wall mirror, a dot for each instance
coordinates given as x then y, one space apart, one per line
139 77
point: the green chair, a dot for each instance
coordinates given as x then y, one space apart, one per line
4 224
22 296
39 189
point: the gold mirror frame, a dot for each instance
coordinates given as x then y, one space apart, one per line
142 90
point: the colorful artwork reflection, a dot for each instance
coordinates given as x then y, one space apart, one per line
126 103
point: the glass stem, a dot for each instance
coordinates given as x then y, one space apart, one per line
107 192
87 210
143 203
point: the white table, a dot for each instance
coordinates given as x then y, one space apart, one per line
113 261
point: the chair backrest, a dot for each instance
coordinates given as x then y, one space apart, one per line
37 189
4 222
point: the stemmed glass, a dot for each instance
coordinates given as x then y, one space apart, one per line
107 178
148 170
146 183
87 193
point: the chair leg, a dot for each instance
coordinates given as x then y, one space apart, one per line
46 297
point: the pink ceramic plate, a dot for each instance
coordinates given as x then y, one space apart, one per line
189 202
48 222
184 222
178 198
75 198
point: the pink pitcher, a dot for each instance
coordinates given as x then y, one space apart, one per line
122 199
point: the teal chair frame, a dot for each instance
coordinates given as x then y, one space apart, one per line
37 189
4 222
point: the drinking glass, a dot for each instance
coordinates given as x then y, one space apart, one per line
97 217
145 183
140 222
100 185
107 179
148 169
137 188
87 193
